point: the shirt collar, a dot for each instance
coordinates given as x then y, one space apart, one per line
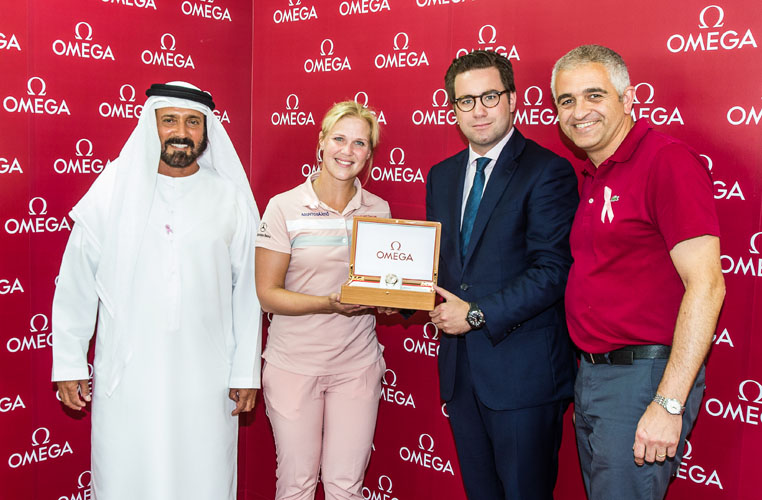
493 153
311 200
626 149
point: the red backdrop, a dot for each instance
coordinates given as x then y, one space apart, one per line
73 77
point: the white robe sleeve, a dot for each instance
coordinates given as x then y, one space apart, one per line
75 308
247 314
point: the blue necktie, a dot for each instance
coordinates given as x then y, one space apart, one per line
472 205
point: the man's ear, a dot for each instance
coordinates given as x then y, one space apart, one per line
512 101
628 99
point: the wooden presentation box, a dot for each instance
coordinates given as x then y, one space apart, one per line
393 263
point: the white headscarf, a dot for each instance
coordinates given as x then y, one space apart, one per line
114 214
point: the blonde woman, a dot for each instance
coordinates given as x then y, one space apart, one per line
323 370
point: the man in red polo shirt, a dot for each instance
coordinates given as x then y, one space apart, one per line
646 285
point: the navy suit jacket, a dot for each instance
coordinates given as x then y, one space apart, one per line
515 269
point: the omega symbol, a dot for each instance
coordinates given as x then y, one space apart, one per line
322 47
270 317
752 243
44 206
431 442
35 442
397 244
688 452
78 36
396 41
89 147
89 477
296 101
33 327
720 16
381 483
742 390
365 98
435 102
650 98
164 44
481 34
292 3
527 102
29 89
132 93
402 157
394 380
426 331
709 162
444 410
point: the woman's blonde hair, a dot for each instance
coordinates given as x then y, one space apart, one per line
352 109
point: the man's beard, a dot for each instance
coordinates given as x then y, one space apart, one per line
181 159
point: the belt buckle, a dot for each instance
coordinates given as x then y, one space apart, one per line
622 356
629 357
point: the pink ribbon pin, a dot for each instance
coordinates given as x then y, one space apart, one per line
607 210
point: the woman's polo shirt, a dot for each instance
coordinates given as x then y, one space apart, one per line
318 239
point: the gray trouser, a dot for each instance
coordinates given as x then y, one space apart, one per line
608 402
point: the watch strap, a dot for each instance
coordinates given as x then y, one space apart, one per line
665 401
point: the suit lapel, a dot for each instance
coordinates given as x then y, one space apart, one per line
498 181
454 210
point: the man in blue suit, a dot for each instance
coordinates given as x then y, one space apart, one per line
506 365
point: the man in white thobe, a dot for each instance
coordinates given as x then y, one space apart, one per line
161 256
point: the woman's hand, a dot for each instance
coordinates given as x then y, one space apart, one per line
387 310
346 309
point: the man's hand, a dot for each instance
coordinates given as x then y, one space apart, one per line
244 400
68 391
657 435
450 316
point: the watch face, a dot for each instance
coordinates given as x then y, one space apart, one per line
475 318
673 406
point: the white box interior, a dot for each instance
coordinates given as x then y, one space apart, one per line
403 249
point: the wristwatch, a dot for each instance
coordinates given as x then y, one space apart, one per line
672 406
391 279
475 316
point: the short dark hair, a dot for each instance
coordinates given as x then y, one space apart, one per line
479 59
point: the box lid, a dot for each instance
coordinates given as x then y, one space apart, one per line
407 248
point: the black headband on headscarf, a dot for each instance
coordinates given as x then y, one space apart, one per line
162 89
